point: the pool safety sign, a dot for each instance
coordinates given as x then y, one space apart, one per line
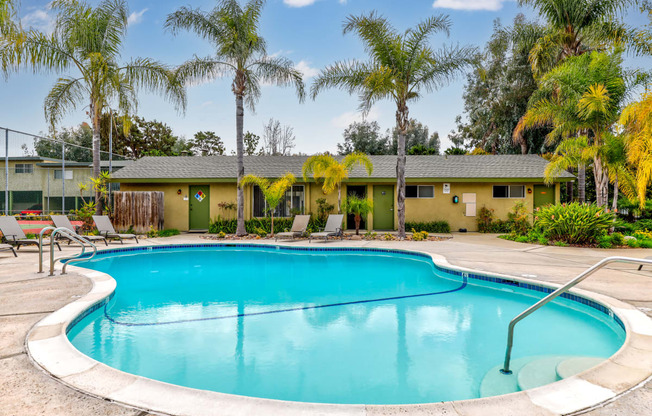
200 196
447 188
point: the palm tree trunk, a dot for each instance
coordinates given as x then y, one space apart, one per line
239 121
581 183
339 198
569 188
357 219
272 228
614 204
401 124
95 121
601 182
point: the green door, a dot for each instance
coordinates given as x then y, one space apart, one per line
543 195
199 207
383 207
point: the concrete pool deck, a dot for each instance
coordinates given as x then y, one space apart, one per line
27 297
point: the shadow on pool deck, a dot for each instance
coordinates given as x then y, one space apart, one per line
26 297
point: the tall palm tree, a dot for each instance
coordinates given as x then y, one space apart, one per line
239 52
401 67
578 26
274 192
333 172
581 97
637 120
88 40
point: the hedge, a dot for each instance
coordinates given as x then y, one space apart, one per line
440 227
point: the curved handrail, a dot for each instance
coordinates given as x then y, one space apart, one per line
40 247
73 237
79 257
586 273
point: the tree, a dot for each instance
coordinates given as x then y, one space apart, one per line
250 143
274 192
78 144
89 41
207 143
363 137
359 207
332 172
401 67
416 135
7 16
277 140
240 51
454 151
637 122
134 137
581 97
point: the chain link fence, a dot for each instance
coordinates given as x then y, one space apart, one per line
49 175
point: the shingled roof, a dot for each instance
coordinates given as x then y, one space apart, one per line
431 167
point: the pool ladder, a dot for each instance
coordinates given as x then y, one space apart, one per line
65 260
586 273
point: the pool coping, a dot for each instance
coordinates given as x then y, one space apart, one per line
48 347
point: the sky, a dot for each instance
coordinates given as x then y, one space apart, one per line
309 32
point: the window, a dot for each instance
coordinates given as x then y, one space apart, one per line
509 191
58 173
291 204
420 191
24 168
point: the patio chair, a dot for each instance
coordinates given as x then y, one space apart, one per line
61 221
8 247
299 226
14 235
333 228
104 226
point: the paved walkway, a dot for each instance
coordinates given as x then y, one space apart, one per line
26 297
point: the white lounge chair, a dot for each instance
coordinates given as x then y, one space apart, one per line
299 227
8 247
61 221
14 235
333 228
104 226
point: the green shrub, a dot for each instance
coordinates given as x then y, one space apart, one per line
229 226
485 219
388 237
518 219
435 227
370 235
645 243
168 232
633 243
419 235
645 224
221 234
543 241
573 223
604 241
561 244
522 239
617 239
626 228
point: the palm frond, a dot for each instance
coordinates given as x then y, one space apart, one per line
156 77
197 70
349 76
279 71
63 98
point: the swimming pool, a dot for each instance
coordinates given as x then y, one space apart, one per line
332 326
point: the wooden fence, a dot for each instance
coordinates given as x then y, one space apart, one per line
140 210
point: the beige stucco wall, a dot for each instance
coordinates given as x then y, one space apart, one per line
441 207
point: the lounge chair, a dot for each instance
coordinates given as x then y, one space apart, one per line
299 226
14 235
333 228
104 226
61 221
8 247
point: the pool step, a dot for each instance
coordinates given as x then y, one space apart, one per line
531 372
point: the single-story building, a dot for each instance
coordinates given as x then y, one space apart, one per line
43 185
450 188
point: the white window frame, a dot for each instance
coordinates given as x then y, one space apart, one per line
66 174
419 192
509 192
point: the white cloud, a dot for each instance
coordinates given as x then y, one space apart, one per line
344 120
492 5
40 20
298 3
136 17
305 68
280 52
206 104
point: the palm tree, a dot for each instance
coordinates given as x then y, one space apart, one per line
581 97
89 40
578 26
359 207
637 120
402 66
274 192
240 52
333 172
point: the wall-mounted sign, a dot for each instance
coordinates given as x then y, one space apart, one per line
447 188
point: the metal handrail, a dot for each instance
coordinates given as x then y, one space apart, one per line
40 247
82 240
588 272
68 234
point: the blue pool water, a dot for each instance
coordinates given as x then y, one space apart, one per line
332 327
